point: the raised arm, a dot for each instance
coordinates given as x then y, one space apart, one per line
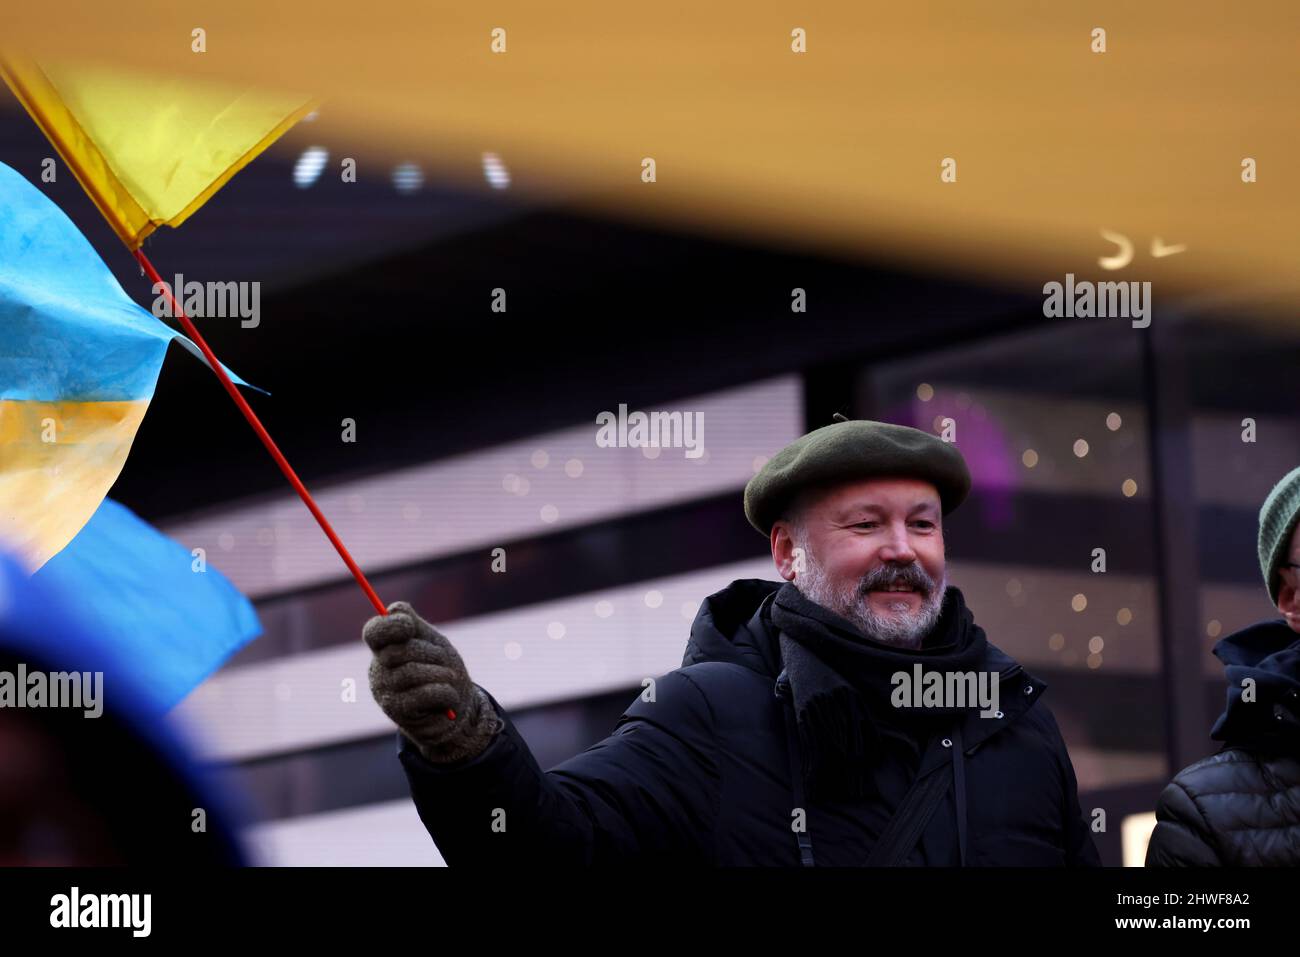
648 792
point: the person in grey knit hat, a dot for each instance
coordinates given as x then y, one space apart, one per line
1241 806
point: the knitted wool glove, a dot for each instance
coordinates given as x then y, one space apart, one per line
415 676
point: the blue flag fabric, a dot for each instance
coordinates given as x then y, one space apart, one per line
79 360
142 594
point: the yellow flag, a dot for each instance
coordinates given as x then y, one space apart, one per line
149 150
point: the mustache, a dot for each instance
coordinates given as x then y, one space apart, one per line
912 575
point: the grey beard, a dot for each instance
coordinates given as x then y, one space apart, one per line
904 629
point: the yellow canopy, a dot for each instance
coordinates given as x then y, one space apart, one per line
839 149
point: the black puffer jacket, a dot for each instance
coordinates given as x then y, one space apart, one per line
703 775
1241 807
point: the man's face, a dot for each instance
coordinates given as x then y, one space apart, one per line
1288 594
872 553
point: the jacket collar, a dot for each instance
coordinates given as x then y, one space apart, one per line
1264 658
734 625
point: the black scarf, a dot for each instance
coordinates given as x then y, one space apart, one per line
840 683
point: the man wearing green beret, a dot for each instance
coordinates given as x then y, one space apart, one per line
852 713
1240 807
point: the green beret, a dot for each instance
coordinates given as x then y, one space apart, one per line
1277 522
852 450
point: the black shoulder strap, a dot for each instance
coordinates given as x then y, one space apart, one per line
904 829
796 771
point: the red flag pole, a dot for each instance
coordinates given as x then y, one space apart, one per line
262 434
267 441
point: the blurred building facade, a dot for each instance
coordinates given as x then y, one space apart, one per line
1108 542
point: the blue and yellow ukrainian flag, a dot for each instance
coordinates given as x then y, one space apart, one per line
79 360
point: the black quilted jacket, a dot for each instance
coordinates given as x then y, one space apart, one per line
1241 807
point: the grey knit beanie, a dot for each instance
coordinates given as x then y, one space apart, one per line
1277 522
